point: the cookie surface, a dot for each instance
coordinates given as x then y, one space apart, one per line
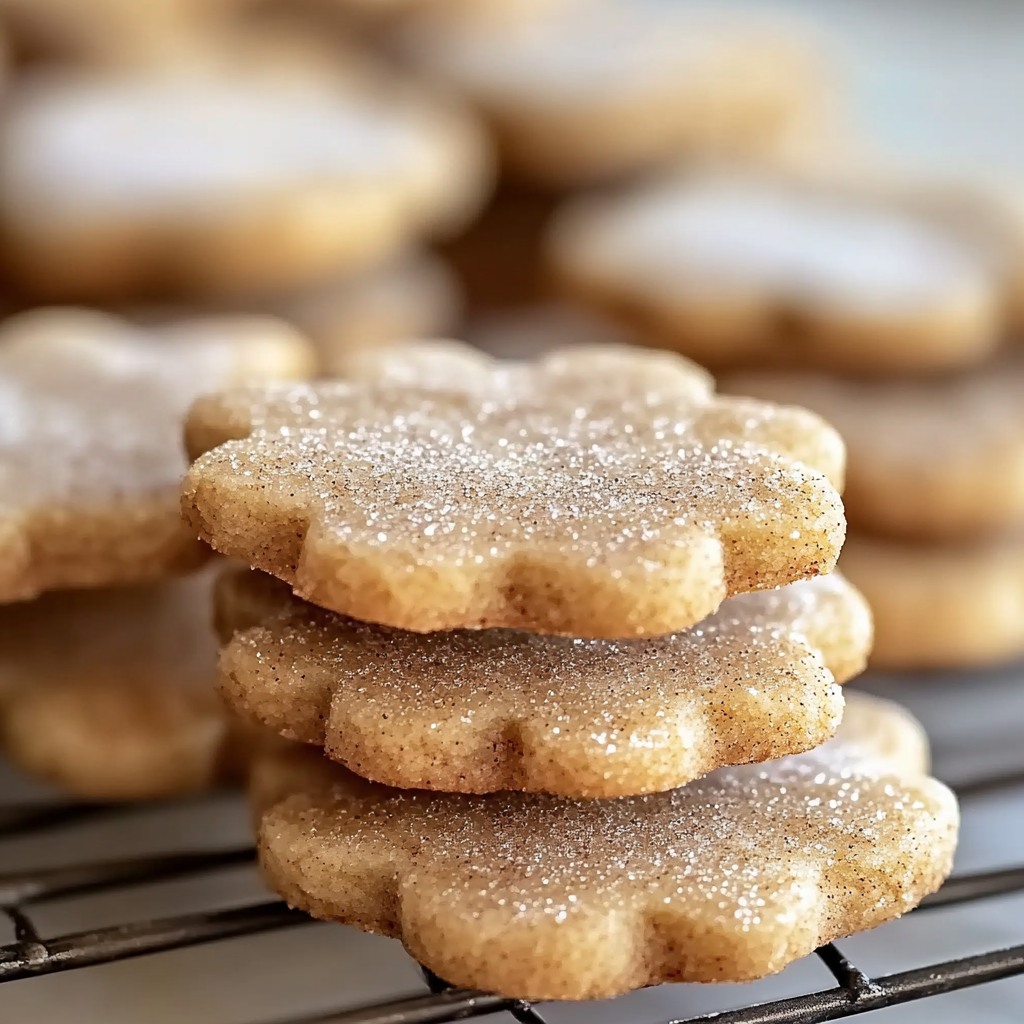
744 270
578 90
729 878
596 492
109 694
91 437
480 711
935 458
941 605
206 184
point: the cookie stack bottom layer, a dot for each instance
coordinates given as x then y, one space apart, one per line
728 878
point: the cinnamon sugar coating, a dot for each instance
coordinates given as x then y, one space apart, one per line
728 878
596 492
480 711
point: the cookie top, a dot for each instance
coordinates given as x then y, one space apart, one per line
109 693
595 492
90 429
184 172
726 879
744 269
935 458
479 711
580 90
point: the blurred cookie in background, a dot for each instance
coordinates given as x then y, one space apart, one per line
530 331
579 91
91 434
200 184
745 268
941 605
939 457
109 694
413 296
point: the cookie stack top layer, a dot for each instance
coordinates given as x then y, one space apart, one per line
595 492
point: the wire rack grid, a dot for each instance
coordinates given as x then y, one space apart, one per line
853 991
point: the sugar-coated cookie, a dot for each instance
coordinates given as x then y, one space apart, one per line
596 492
203 183
480 711
583 90
941 605
109 694
940 457
744 269
727 879
90 435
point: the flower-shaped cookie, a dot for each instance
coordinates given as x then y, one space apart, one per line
595 492
90 439
484 710
729 878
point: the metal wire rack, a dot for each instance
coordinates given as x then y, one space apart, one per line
31 954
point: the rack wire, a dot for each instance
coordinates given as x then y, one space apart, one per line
30 954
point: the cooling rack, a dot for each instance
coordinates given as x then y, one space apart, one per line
851 992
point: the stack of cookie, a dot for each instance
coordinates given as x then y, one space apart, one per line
235 173
513 615
578 93
107 658
885 309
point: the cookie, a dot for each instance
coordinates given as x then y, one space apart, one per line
578 91
109 694
203 183
743 269
515 711
727 879
596 492
415 296
941 605
530 331
934 458
91 436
